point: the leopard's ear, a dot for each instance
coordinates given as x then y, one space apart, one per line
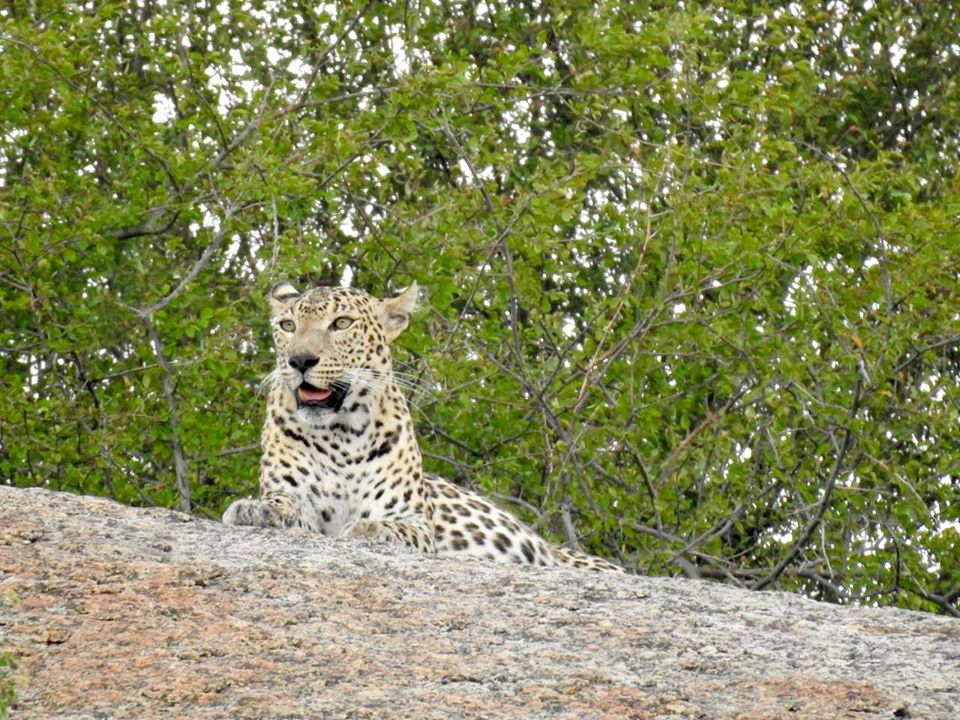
281 295
397 311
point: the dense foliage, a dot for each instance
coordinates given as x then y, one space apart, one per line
692 267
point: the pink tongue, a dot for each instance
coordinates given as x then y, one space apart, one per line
313 395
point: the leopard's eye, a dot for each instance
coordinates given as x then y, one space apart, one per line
288 325
342 323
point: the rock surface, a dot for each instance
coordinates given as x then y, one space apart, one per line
116 612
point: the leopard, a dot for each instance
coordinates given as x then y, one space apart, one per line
339 453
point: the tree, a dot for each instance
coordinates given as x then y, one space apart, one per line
692 268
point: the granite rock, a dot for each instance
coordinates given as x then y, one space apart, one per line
118 612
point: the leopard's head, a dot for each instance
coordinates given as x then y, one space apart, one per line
333 340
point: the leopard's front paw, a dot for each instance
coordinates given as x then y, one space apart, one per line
366 529
244 512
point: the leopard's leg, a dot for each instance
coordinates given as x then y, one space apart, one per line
275 509
415 532
577 559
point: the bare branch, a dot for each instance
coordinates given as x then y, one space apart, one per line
197 268
824 502
179 459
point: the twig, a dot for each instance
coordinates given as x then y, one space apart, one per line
827 492
946 342
179 460
249 447
322 59
568 528
709 420
501 243
198 266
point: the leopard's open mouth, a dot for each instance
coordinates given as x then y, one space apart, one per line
330 398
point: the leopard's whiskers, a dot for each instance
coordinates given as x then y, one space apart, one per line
269 379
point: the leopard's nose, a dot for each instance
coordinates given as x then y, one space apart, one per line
303 362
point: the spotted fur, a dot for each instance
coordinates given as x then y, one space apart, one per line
339 452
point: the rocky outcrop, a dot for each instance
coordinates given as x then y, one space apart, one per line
116 612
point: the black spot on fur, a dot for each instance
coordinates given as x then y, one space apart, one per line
527 548
296 436
380 451
501 542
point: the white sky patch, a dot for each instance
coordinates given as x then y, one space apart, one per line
485 173
401 55
210 220
164 111
348 228
897 52
517 119
549 66
233 250
802 282
346 278
783 536
668 371
299 69
226 98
